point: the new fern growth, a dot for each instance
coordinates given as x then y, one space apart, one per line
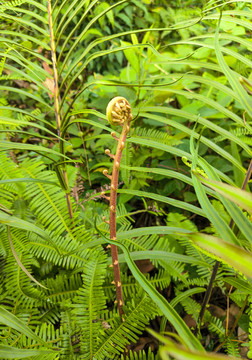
118 113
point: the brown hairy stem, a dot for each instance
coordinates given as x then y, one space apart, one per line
118 112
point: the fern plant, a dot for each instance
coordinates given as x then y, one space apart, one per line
61 63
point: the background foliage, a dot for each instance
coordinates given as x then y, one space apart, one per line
185 68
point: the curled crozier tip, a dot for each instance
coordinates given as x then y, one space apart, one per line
118 111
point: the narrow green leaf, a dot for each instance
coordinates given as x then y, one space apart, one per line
30 114
203 44
218 149
11 181
239 284
15 222
26 23
8 145
220 225
195 118
14 122
245 99
240 219
240 197
84 31
235 256
31 14
162 255
167 200
25 93
9 352
186 294
19 262
14 322
180 353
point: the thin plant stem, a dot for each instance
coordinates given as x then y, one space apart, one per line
55 72
238 316
118 112
56 102
217 264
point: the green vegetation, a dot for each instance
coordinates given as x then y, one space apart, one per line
182 221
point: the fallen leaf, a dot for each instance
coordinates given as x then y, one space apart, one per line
144 266
47 68
49 83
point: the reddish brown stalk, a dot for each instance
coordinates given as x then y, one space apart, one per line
118 112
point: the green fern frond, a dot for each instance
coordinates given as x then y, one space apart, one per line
126 157
50 315
69 347
123 220
62 287
238 297
232 348
130 287
196 281
25 117
158 135
247 140
49 204
2 63
216 326
140 355
12 77
4 110
191 307
241 132
17 284
156 242
67 256
9 170
136 317
89 302
6 4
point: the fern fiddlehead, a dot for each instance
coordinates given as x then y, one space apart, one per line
118 113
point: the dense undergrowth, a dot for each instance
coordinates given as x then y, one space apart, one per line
184 205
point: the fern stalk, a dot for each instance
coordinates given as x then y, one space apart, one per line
118 113
55 72
56 100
